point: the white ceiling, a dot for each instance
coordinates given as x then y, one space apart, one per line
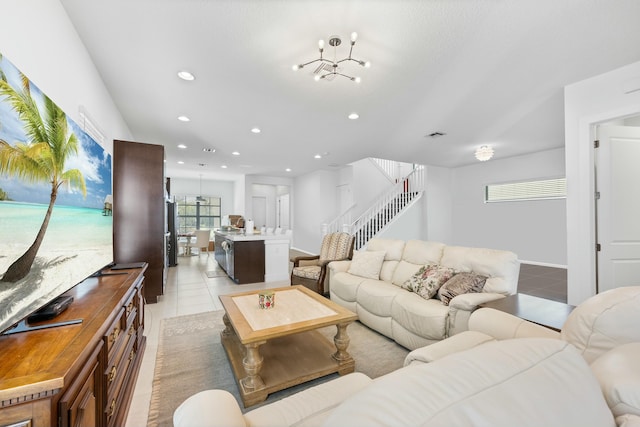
481 71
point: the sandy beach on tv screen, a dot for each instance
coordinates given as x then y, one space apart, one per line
53 272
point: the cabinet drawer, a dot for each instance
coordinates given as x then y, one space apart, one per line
117 392
114 332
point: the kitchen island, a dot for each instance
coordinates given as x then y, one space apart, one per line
252 258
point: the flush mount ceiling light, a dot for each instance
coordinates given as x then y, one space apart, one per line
185 75
328 69
484 153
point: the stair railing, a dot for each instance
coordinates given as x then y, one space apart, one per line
387 206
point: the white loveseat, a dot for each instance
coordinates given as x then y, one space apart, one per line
586 376
404 316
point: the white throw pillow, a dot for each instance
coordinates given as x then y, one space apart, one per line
367 264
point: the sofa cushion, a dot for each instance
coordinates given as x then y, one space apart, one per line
309 407
428 279
307 271
502 268
527 382
426 318
367 264
422 252
377 297
392 247
348 285
387 270
461 283
604 321
404 271
618 372
335 246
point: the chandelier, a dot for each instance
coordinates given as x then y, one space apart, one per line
328 69
484 153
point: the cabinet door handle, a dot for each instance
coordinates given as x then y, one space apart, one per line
112 408
112 374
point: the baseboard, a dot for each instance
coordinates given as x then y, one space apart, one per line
543 264
300 250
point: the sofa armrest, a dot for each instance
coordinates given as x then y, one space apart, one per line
209 408
471 301
501 325
461 307
463 341
339 266
628 420
305 260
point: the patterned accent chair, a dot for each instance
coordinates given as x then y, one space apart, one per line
311 271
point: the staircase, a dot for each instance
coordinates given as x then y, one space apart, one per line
400 196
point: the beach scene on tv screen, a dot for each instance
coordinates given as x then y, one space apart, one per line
55 199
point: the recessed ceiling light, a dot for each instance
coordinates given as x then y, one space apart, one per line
180 162
182 146
288 170
353 116
256 130
185 75
236 153
223 166
209 150
184 119
317 156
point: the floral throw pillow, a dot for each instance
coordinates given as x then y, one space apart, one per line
428 279
461 283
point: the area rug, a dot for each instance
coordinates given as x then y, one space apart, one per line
191 359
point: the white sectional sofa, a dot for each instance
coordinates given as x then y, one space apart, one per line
381 302
585 376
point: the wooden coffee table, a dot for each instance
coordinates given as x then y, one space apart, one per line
273 349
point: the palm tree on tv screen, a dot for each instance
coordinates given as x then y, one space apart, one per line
41 159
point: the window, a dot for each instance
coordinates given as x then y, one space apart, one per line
195 213
526 190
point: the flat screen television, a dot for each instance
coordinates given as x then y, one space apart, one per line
45 156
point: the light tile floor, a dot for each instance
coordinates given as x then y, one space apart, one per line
188 290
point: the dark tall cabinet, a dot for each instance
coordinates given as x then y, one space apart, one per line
139 210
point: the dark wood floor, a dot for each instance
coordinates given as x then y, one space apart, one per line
544 282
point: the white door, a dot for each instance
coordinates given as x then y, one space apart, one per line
259 210
283 212
618 206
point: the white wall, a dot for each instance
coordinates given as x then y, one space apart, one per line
38 38
213 188
438 202
368 181
595 100
315 203
535 230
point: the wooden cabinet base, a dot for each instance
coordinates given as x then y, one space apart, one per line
81 374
